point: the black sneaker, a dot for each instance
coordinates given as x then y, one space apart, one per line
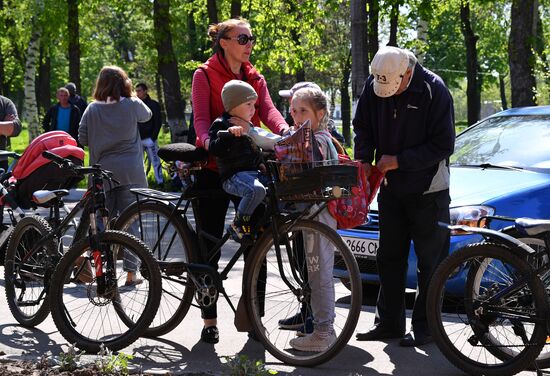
210 334
240 230
306 328
293 322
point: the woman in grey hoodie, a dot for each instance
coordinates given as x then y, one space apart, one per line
109 128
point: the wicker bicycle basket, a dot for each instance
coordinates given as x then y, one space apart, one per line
313 181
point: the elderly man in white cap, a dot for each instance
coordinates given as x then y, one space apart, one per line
404 124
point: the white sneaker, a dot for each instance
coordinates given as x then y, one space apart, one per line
314 342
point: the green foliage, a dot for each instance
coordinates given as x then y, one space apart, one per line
306 37
70 360
111 364
242 366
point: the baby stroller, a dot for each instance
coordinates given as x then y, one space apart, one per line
33 172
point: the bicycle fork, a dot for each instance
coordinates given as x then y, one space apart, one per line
98 254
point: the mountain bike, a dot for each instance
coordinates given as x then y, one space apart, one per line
82 286
275 278
8 205
497 324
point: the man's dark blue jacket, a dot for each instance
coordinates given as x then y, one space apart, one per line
417 126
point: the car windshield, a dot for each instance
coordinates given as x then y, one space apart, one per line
506 141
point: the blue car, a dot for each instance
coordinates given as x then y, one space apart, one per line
501 166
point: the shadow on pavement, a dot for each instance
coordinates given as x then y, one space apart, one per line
32 341
253 350
412 361
170 356
350 358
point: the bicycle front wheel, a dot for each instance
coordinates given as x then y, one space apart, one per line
91 302
495 323
279 282
28 269
170 242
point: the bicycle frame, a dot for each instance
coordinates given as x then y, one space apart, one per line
92 201
272 216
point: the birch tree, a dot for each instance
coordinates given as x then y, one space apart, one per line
30 112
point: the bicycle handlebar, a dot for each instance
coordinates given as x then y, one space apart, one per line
68 164
224 134
57 159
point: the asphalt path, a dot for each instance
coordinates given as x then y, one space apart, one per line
182 352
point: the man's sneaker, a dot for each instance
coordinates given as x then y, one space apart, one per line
314 342
293 322
306 328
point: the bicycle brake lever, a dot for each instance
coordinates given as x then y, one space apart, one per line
60 161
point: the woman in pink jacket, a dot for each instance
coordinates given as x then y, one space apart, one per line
232 44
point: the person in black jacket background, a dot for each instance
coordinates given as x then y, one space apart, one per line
76 99
10 126
149 131
405 124
63 116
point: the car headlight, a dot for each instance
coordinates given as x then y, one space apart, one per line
470 216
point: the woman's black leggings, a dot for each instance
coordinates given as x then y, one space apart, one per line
211 214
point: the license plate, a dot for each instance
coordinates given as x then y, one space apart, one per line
362 247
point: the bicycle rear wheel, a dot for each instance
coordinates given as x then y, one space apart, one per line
90 310
537 260
170 241
28 270
495 325
271 298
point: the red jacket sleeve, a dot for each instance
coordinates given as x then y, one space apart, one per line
200 94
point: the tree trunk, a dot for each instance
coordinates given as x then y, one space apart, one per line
424 16
345 102
74 43
2 74
2 71
359 50
520 53
30 110
43 91
160 99
502 87
168 70
212 10
394 20
473 89
540 45
236 7
374 9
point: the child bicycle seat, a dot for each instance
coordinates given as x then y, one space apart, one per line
182 152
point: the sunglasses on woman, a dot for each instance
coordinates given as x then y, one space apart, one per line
243 39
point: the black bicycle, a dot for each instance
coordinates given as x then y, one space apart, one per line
498 323
275 275
84 286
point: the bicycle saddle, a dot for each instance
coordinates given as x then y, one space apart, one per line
182 151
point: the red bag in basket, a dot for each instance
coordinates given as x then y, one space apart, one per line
352 211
